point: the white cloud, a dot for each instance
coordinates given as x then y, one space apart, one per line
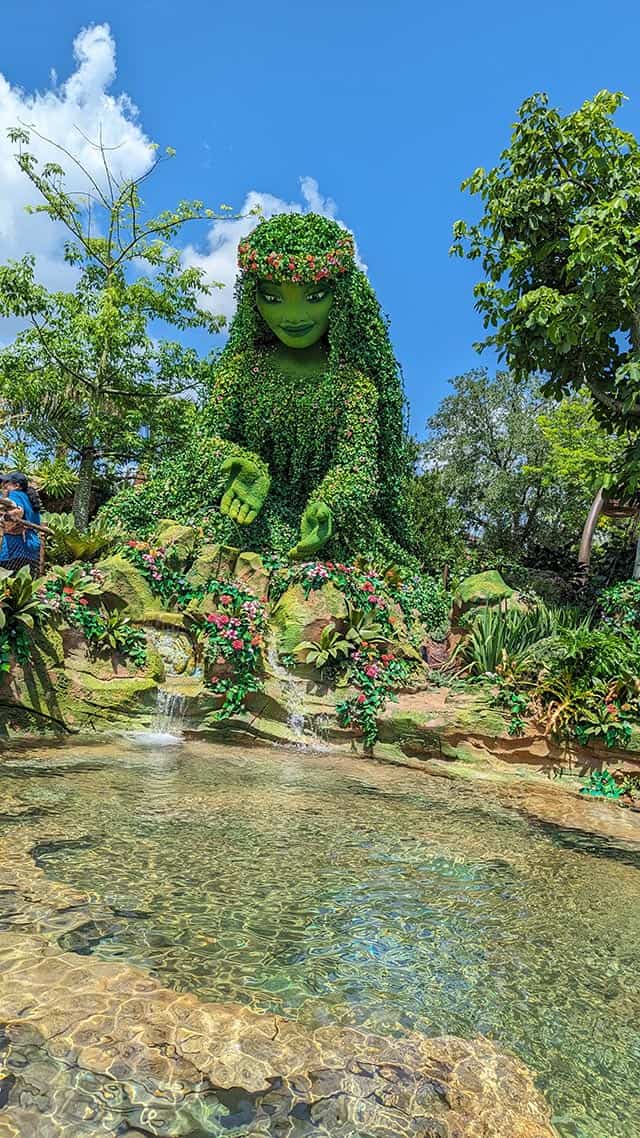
75 113
78 112
219 258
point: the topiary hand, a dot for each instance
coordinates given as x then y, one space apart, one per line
246 491
316 528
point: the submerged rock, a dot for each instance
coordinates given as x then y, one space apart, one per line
87 1042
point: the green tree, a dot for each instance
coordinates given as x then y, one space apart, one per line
519 468
559 245
437 522
90 372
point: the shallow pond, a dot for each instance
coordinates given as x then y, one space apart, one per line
337 890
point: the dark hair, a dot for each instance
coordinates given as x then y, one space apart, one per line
21 481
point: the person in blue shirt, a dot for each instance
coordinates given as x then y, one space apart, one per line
20 545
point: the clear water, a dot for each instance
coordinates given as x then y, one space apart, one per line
336 890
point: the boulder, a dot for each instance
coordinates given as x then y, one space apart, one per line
296 618
125 587
173 647
178 539
481 589
214 561
251 572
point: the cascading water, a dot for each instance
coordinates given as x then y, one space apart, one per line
293 690
170 711
166 727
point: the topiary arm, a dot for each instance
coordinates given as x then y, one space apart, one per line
247 477
344 499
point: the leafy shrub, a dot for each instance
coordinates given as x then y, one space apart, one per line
67 543
501 637
21 610
330 648
69 594
579 682
602 784
620 605
54 478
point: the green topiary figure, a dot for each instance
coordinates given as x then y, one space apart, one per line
304 440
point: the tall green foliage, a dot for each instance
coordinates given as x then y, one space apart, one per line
559 250
518 469
87 371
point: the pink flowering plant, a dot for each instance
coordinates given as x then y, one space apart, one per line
228 636
230 640
424 603
376 676
161 569
72 595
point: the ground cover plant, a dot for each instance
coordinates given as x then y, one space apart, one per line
576 674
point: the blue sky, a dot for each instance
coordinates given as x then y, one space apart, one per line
387 107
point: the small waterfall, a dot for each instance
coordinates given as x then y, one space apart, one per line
166 726
169 717
293 690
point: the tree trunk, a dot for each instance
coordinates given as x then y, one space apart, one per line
82 496
636 564
584 556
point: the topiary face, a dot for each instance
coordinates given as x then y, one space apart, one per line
298 314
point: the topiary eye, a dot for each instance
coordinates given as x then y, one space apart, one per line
316 297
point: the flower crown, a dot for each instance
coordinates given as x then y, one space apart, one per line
302 256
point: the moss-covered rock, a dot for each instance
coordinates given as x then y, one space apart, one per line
251 572
296 618
174 649
213 561
48 644
179 539
125 587
481 589
163 618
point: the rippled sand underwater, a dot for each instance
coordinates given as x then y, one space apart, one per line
341 891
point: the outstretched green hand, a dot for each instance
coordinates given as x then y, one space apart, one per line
316 528
247 488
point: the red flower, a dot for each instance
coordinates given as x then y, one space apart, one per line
362 698
368 587
225 599
83 601
237 644
68 590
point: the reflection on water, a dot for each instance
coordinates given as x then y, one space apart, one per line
339 891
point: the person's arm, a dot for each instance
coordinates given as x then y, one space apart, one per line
344 499
12 515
